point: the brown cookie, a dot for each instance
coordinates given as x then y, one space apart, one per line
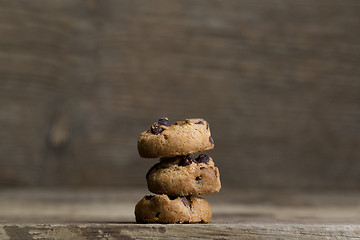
184 176
165 209
181 138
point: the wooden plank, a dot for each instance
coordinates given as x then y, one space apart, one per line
228 206
108 214
161 231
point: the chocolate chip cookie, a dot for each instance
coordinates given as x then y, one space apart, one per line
181 138
166 209
184 176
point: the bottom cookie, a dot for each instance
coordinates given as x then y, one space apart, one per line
167 209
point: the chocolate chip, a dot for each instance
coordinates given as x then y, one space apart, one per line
185 201
198 178
207 126
164 122
157 214
185 160
156 129
148 197
202 158
211 140
200 122
202 168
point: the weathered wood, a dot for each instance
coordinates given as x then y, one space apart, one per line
108 214
228 206
278 80
160 231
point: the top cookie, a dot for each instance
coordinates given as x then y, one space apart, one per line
181 138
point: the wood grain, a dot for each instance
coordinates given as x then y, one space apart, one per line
108 214
277 80
159 231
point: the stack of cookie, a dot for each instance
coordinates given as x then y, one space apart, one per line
178 177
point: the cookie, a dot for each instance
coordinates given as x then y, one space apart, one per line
165 209
181 138
184 176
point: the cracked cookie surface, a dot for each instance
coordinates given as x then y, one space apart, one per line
184 176
181 138
167 209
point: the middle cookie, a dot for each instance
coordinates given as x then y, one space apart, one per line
184 176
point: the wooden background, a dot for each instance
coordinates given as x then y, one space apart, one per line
278 80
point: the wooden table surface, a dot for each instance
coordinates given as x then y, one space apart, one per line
108 214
